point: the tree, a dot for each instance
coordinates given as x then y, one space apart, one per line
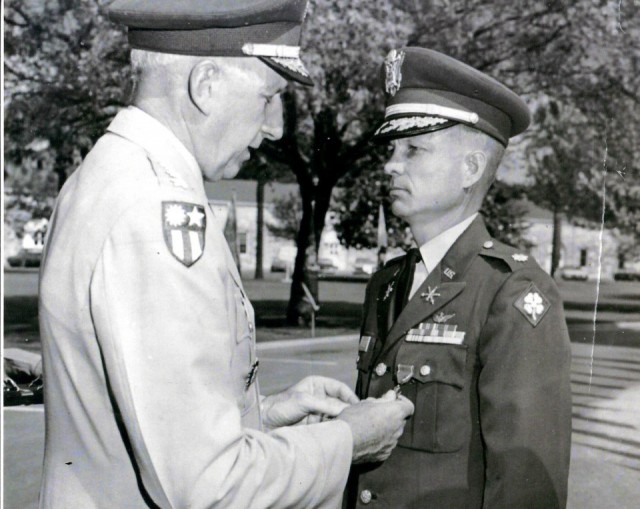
64 69
328 126
583 55
288 213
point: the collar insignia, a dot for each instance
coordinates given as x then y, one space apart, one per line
393 71
430 295
519 257
450 273
388 291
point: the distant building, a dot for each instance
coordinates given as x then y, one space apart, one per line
586 248
581 246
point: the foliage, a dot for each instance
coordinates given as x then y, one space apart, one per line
328 126
65 66
288 212
504 211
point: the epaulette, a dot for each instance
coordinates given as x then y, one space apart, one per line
515 259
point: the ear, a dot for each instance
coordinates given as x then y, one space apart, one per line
203 81
475 164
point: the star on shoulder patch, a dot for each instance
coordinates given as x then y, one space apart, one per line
532 304
183 225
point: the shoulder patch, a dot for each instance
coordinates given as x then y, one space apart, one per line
532 304
183 226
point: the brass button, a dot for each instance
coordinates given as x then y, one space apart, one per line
381 369
488 244
425 370
366 497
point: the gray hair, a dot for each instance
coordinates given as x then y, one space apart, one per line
145 61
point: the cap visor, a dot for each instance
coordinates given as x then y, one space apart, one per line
407 126
289 68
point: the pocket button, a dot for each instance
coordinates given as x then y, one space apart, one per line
366 496
381 369
425 370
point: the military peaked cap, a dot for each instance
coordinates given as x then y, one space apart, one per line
269 29
428 91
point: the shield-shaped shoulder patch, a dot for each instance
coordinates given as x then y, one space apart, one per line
183 225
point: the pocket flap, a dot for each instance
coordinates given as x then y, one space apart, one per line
443 363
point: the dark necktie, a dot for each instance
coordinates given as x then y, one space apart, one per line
405 279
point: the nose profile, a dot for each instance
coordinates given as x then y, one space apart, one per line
394 165
273 127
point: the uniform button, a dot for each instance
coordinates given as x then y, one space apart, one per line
488 244
381 369
366 497
250 327
425 370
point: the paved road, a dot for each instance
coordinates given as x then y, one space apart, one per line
606 419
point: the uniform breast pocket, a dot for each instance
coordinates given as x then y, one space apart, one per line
441 422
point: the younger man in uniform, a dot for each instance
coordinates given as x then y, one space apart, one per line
471 330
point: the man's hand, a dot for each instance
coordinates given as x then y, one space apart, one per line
313 398
376 425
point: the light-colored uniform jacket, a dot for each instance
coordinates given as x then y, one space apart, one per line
148 344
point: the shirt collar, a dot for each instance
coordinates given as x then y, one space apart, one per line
159 141
433 251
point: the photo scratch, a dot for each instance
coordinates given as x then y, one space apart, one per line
619 13
600 249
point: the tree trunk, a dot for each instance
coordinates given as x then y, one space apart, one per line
556 246
297 309
259 229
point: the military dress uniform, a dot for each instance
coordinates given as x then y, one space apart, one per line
487 373
481 349
148 338
149 348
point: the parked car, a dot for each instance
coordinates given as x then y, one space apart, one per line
574 273
25 259
327 265
364 266
627 275
286 256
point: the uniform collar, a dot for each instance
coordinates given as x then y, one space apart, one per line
435 249
159 142
446 281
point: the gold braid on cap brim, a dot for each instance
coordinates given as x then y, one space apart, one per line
405 123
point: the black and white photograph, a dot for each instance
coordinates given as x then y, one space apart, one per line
332 254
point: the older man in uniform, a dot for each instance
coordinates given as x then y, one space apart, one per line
470 330
148 337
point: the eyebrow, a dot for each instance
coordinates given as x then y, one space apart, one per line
422 143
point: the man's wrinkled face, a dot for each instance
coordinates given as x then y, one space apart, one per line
249 110
426 175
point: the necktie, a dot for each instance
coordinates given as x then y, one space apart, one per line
405 278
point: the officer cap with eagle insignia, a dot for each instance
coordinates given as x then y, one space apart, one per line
428 91
269 29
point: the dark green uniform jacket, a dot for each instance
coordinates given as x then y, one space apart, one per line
484 351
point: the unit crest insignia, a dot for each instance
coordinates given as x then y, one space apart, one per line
532 304
393 71
183 225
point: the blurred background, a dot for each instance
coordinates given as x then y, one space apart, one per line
312 208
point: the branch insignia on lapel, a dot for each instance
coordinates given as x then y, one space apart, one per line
430 295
